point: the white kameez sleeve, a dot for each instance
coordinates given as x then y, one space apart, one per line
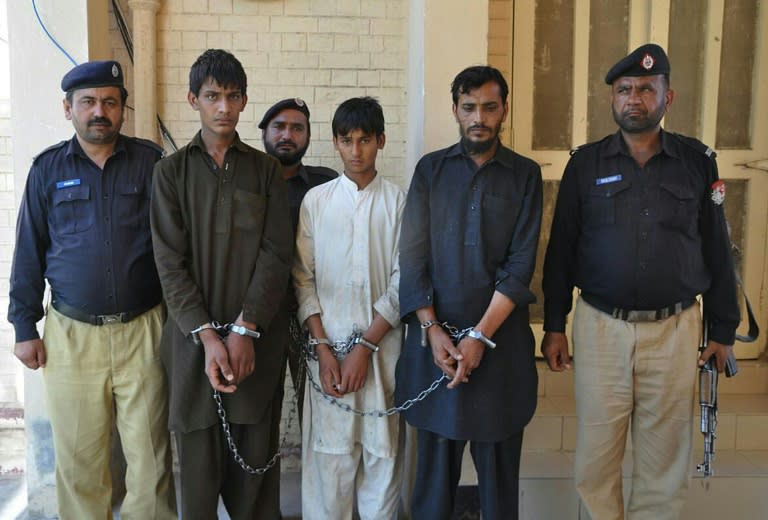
388 304
303 271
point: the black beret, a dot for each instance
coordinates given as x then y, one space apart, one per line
646 60
292 103
93 74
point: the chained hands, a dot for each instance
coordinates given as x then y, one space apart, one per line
444 353
354 369
472 351
242 357
329 371
217 366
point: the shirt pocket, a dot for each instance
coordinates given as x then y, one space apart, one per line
499 219
249 209
678 207
601 207
73 210
132 206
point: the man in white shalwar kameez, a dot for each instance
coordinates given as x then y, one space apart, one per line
346 276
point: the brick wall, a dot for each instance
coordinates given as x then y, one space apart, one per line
9 367
321 51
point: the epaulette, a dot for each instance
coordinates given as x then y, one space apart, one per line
588 145
149 144
51 148
694 143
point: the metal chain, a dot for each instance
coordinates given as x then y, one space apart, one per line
376 413
222 413
456 335
233 447
339 349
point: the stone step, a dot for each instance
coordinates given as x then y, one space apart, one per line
12 439
742 476
751 379
742 423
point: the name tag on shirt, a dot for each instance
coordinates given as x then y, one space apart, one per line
608 180
67 184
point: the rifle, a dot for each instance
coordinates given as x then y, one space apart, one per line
708 402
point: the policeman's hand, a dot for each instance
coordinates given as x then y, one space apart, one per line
330 373
354 369
242 357
444 353
554 347
217 366
31 353
719 350
472 351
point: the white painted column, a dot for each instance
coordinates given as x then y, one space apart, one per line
445 37
37 122
144 67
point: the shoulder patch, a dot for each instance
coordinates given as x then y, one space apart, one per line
51 148
694 143
149 144
586 146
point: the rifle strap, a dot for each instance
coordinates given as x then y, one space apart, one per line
754 329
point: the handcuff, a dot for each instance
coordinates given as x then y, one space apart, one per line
227 328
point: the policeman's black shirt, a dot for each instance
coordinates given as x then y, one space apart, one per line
87 232
305 179
641 238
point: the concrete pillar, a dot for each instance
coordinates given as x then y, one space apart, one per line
37 122
144 67
444 38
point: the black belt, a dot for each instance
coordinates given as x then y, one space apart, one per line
635 315
97 319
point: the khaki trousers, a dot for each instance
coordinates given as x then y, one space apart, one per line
641 374
92 371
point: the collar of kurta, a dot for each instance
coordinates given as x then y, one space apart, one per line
352 186
197 142
616 145
503 155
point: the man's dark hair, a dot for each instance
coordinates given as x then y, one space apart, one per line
219 65
360 113
474 77
123 96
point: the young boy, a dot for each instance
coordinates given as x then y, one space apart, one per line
346 276
223 247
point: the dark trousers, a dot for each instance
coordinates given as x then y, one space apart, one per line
438 469
208 470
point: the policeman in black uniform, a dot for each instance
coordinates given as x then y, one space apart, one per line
84 227
286 132
640 229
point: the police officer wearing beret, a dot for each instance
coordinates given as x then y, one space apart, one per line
286 134
640 229
83 226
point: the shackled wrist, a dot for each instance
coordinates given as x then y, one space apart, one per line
482 338
195 333
425 325
244 331
314 342
360 340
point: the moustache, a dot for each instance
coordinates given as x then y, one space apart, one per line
100 121
283 143
478 127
